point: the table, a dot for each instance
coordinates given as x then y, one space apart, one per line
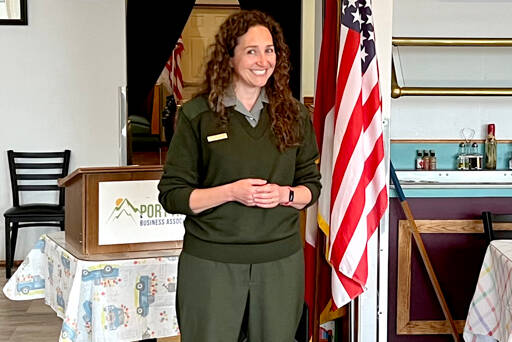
109 300
490 311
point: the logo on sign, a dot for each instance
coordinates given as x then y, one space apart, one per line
123 208
151 214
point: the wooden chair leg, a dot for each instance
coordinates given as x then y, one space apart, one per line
7 248
14 239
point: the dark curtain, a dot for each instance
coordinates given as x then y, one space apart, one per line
289 15
152 29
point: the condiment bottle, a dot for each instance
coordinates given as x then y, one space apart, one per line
462 160
432 160
490 148
419 160
475 159
426 160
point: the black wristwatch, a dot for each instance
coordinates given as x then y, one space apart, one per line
291 196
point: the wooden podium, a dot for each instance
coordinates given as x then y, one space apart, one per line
82 206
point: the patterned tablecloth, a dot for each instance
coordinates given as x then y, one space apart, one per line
115 300
490 311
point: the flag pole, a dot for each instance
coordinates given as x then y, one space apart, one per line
316 310
423 252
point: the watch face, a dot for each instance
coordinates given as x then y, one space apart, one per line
292 194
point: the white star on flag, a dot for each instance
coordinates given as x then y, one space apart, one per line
363 54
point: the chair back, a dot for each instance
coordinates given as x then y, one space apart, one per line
40 170
492 232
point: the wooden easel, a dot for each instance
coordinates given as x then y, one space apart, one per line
424 256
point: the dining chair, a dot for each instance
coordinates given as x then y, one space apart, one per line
34 172
491 232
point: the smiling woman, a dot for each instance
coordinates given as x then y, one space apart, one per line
13 12
241 165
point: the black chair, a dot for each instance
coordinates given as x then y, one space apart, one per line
139 135
491 233
33 171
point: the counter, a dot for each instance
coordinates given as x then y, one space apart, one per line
450 183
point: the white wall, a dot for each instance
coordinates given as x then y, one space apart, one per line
444 117
452 18
59 80
308 49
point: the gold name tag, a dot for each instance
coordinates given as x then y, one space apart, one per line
217 137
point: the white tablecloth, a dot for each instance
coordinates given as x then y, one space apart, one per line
116 300
490 311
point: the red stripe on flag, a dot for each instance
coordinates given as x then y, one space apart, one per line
361 273
348 143
371 105
373 161
378 209
177 72
348 56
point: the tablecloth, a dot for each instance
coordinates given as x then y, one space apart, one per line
117 300
490 311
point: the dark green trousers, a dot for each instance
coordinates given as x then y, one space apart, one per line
222 302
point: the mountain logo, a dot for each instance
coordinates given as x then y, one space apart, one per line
123 209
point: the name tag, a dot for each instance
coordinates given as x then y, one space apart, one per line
217 137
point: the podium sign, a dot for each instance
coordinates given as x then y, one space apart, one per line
116 209
129 212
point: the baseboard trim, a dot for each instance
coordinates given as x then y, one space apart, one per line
16 263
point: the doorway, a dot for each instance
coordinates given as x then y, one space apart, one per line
150 127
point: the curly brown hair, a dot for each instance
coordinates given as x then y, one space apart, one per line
283 109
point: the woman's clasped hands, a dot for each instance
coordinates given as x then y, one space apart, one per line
258 192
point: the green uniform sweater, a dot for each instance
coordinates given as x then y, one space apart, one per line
232 232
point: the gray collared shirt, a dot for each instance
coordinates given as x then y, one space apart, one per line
253 115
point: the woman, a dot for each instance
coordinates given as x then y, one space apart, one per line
240 166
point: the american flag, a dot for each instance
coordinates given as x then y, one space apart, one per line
319 272
352 157
171 76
